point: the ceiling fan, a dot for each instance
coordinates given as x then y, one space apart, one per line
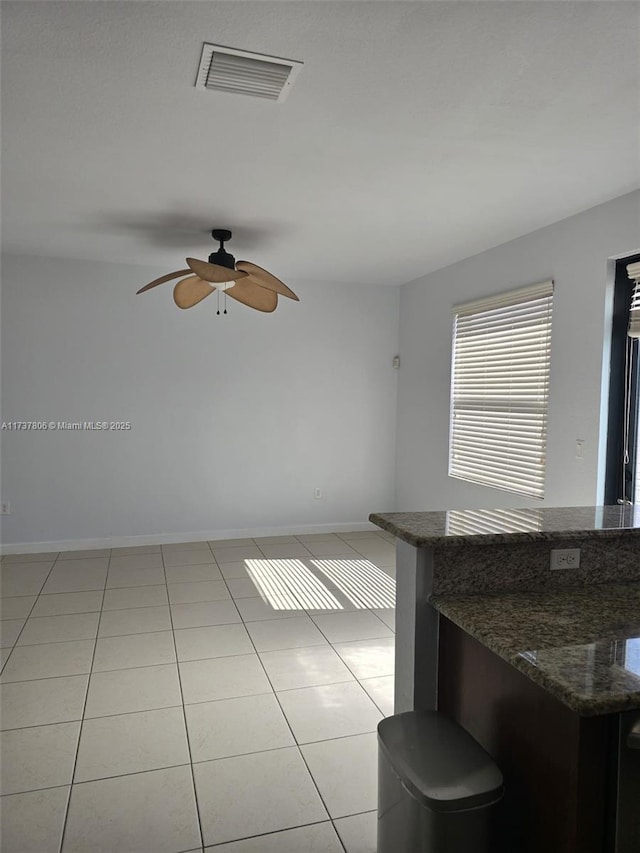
242 280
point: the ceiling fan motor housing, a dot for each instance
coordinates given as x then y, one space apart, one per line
223 259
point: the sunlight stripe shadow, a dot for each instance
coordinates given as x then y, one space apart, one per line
290 585
364 584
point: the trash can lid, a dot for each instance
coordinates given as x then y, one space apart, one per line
438 762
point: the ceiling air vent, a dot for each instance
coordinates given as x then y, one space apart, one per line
224 69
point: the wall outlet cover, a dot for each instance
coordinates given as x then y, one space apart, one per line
565 558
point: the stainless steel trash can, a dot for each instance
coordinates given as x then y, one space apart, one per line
436 785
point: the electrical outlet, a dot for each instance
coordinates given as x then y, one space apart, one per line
5 508
565 558
317 494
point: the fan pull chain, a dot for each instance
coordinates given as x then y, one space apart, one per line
218 311
225 302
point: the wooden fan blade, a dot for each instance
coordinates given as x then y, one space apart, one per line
253 295
190 291
265 279
213 272
162 280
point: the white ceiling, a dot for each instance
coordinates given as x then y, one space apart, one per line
417 133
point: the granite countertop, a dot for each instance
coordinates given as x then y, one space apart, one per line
490 527
581 645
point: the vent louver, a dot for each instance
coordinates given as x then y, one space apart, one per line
225 69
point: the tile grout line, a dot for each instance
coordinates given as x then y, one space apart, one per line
184 712
295 739
273 832
84 709
15 644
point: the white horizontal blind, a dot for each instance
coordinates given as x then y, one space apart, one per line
500 390
633 271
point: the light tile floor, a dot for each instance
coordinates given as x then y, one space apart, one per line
212 696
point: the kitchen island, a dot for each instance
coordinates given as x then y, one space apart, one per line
541 666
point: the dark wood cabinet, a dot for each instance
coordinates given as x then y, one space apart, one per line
556 764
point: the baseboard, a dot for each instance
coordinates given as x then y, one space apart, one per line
170 538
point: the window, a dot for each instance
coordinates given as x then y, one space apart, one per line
622 483
500 390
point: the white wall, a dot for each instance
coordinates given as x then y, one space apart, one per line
235 419
574 253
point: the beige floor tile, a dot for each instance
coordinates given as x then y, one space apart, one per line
257 610
212 641
351 625
134 550
59 629
191 557
368 658
41 702
48 661
236 727
138 620
192 574
289 669
222 678
47 557
124 691
358 832
132 743
315 838
346 772
254 794
17 607
64 603
151 560
174 547
134 650
127 598
32 822
227 554
329 711
188 593
37 757
234 570
381 690
285 552
88 553
285 634
130 813
231 543
201 613
10 631
127 577
23 579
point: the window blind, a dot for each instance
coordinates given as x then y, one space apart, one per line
500 390
633 271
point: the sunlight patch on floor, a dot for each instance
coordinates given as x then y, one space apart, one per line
364 584
290 585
